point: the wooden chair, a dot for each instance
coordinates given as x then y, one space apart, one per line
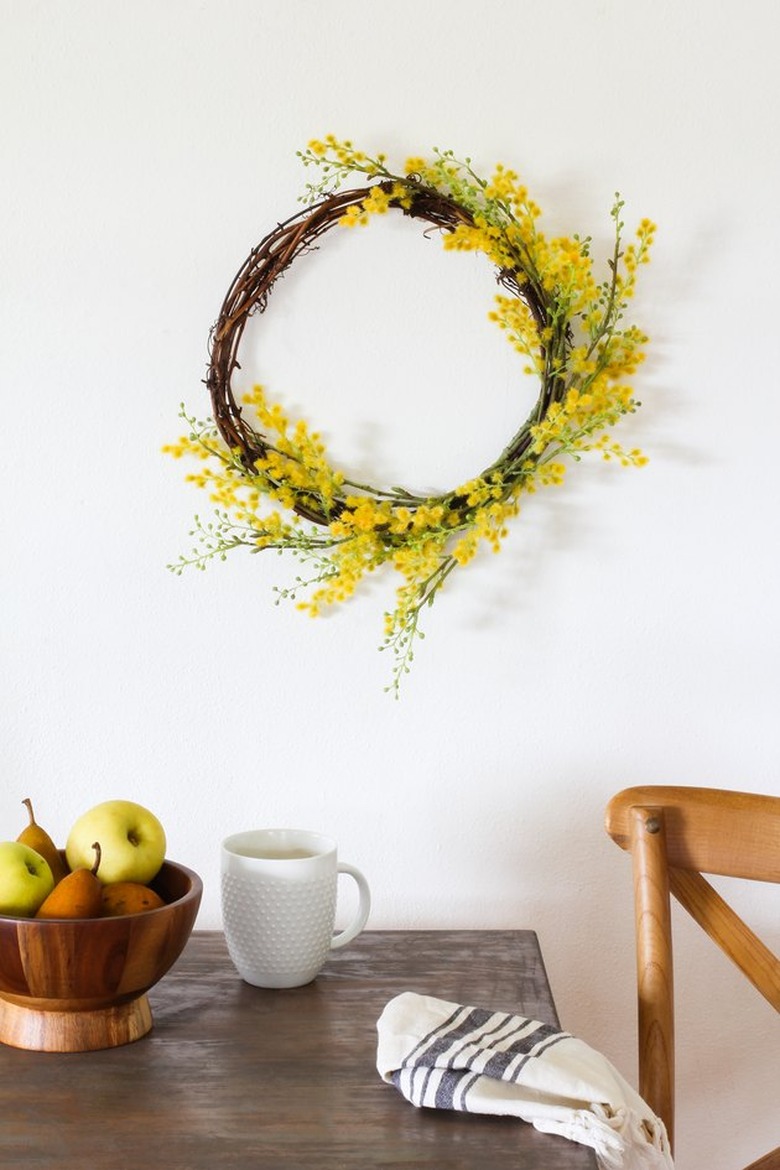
673 835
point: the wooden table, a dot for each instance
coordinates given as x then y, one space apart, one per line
236 1076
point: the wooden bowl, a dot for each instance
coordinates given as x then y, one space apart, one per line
74 985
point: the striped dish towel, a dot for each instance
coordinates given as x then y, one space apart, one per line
446 1056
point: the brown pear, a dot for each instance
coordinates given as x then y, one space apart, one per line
78 895
39 840
129 898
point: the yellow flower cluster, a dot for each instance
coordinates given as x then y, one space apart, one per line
515 318
488 525
344 152
295 467
377 202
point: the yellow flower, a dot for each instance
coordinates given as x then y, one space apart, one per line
377 202
353 216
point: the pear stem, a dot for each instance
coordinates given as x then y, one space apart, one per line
98 854
28 802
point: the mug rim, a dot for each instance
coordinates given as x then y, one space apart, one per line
321 844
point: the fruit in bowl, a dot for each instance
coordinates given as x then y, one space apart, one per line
25 879
39 840
132 841
75 983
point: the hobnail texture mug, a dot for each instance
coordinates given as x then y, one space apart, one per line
279 894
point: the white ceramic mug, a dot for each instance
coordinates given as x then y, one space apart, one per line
279 891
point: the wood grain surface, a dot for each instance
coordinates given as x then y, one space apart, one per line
238 1076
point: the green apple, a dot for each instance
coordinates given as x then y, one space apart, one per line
26 879
132 842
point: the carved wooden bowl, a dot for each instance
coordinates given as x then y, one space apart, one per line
78 985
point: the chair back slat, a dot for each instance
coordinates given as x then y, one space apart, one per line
736 834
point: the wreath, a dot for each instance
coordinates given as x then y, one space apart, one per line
270 478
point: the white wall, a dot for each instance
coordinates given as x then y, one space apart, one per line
629 631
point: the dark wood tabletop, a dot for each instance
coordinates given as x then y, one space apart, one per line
238 1076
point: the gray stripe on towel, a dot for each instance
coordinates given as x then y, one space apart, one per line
526 1047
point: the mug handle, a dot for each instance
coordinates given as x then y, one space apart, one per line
341 940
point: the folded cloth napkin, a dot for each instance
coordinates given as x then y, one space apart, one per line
447 1056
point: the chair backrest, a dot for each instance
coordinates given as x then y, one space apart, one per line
674 834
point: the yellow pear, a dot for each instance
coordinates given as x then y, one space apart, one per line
78 895
129 898
38 839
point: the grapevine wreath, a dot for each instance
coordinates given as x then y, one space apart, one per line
271 480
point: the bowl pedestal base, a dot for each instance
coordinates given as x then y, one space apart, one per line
25 1025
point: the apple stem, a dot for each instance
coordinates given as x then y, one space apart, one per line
98 853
